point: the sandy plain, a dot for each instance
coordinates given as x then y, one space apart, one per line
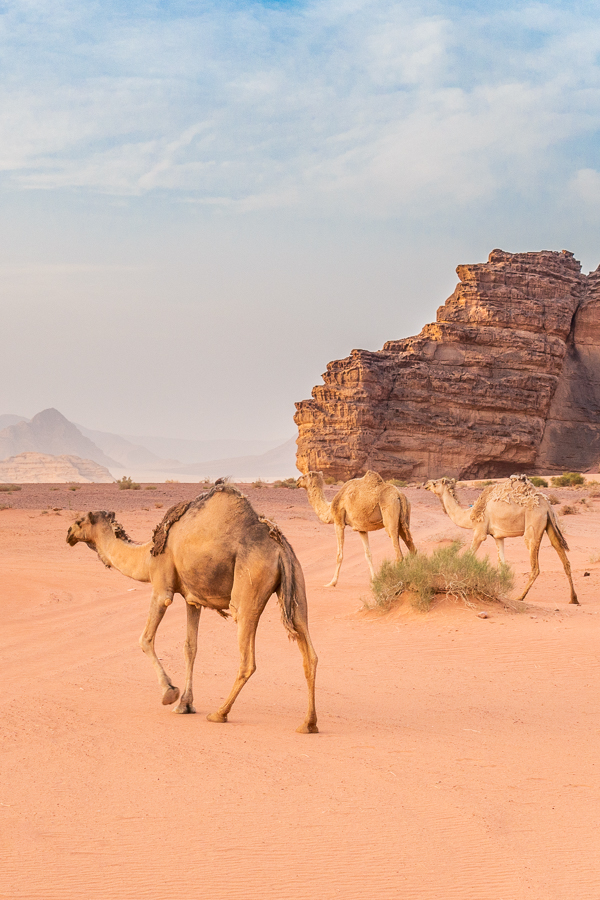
457 756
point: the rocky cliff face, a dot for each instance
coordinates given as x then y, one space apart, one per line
507 379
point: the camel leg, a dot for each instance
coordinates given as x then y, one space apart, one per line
365 540
393 529
533 542
397 525
554 540
247 623
309 661
186 704
477 541
500 549
339 531
158 607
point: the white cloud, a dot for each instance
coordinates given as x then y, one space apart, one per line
586 186
363 106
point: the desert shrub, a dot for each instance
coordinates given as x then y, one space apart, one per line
397 482
329 479
259 483
286 483
150 487
4 506
172 481
538 482
126 484
568 479
460 575
74 487
8 488
568 510
158 505
553 500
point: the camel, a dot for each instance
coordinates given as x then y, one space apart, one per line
365 504
218 554
512 508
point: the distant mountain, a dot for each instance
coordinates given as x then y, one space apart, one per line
50 433
41 468
127 454
280 462
8 419
190 452
146 458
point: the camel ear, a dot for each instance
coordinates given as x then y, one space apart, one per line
91 516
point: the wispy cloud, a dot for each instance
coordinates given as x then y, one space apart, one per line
362 105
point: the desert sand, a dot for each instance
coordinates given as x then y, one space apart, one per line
457 756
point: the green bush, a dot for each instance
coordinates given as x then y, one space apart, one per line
538 482
397 482
460 575
568 479
126 484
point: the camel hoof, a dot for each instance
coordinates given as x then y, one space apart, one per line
216 717
170 696
330 584
307 729
575 601
184 709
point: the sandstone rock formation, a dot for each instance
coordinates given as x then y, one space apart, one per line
40 468
506 380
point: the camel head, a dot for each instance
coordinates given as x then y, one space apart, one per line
311 479
439 485
86 529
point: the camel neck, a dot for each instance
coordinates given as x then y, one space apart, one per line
320 504
456 512
132 560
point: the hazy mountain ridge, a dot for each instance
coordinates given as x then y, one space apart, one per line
49 432
53 435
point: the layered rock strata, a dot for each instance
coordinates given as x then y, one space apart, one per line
41 468
506 380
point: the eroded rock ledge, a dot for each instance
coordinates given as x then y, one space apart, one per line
507 379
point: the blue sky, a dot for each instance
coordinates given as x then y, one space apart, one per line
225 196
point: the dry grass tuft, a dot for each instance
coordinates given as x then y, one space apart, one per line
568 510
126 484
9 488
461 576
286 483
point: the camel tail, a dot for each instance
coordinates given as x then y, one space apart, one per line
555 527
291 587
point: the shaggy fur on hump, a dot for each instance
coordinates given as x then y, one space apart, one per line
516 489
175 513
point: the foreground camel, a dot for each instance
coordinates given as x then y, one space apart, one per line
365 504
512 508
217 553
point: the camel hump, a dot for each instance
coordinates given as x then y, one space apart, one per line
372 478
175 513
517 489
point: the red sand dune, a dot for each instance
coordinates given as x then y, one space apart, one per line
457 758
